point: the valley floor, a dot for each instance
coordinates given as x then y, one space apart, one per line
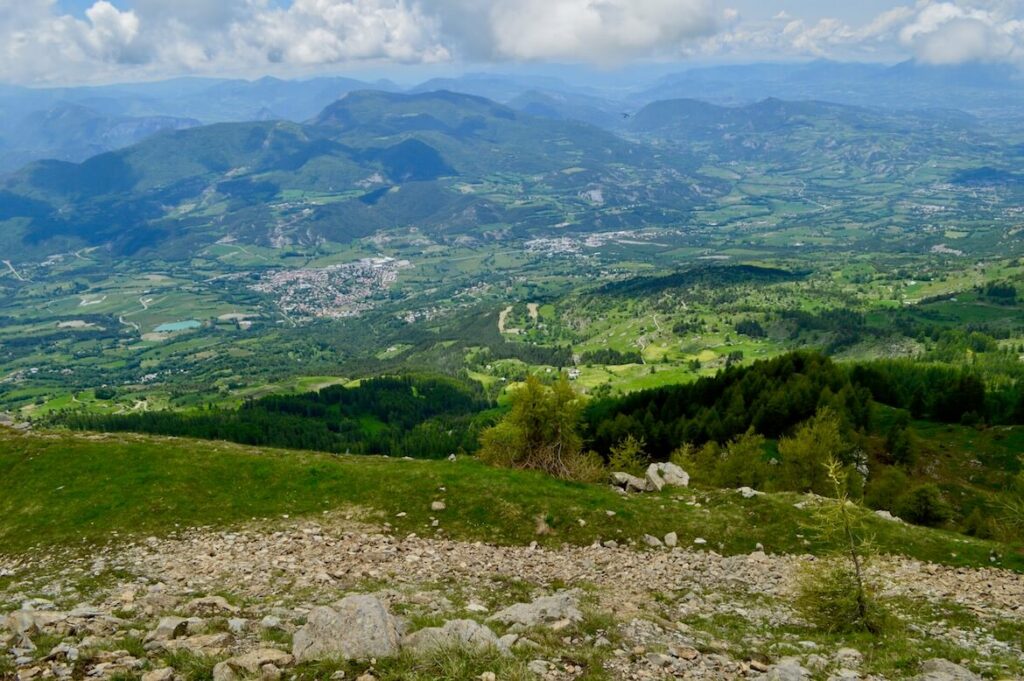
651 614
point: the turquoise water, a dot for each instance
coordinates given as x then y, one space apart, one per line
178 326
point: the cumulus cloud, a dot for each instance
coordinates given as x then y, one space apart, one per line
932 31
34 41
596 29
199 36
39 43
948 33
160 37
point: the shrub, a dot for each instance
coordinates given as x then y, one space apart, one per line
806 455
700 462
979 524
885 489
541 432
741 463
586 467
629 456
924 505
828 598
835 594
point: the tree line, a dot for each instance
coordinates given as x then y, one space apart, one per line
418 416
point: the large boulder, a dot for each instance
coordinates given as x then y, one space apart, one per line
544 610
457 633
250 664
357 628
788 669
168 628
944 670
671 474
628 482
655 483
32 622
657 477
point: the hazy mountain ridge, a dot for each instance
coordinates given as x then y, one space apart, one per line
989 90
369 150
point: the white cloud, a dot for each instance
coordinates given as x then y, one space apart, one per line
35 41
599 30
949 33
159 37
39 44
932 31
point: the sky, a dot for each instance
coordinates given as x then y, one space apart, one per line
68 42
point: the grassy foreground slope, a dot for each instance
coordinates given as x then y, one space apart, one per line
66 491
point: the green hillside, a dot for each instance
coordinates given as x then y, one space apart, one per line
65 490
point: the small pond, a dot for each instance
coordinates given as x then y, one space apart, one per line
177 326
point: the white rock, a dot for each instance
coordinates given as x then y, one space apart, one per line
885 515
250 664
544 610
845 675
671 539
210 605
652 541
848 658
162 674
456 633
538 667
630 483
944 670
438 506
270 623
168 628
673 475
789 669
357 628
655 483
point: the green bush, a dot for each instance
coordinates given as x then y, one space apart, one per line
827 598
742 463
805 455
979 524
629 456
924 505
885 489
541 432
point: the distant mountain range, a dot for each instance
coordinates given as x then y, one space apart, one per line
369 161
981 89
451 163
71 132
72 124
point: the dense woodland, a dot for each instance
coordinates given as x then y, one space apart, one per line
775 395
417 416
431 416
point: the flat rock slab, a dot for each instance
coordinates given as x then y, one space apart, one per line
357 628
457 633
544 610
